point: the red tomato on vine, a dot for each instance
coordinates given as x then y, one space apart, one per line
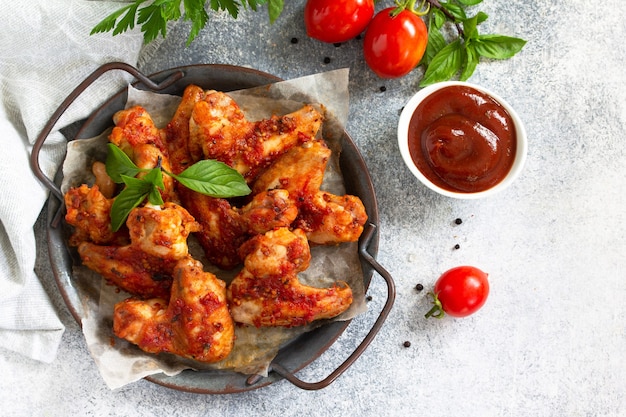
459 292
395 42
335 21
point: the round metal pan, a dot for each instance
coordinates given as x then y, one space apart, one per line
298 353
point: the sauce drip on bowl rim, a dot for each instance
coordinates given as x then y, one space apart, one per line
462 139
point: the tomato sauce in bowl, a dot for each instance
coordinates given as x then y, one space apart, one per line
461 140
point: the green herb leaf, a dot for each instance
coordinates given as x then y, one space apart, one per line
471 60
455 10
132 195
213 178
118 164
445 64
436 43
153 17
498 46
194 11
470 25
470 2
275 8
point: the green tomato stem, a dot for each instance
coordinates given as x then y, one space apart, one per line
437 310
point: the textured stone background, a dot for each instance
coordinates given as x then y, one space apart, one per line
551 339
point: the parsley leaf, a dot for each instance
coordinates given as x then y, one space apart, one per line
153 17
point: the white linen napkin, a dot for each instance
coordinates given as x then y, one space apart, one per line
45 52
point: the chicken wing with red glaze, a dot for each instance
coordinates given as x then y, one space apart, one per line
136 134
326 218
224 228
219 130
267 291
195 323
88 211
177 130
158 240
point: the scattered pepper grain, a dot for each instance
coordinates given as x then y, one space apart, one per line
419 287
406 344
458 221
294 40
383 89
457 246
327 60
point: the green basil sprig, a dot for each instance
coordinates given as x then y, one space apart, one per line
208 177
460 56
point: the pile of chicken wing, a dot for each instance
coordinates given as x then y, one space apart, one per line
175 305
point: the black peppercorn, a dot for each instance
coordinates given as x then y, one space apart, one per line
383 89
368 298
458 221
327 60
457 246
419 287
294 40
407 344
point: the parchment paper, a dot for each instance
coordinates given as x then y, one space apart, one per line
120 362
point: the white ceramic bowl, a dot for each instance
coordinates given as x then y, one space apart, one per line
403 142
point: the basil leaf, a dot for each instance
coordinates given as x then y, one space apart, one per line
445 64
436 43
155 177
213 178
498 46
470 2
131 196
118 164
470 25
455 10
439 18
471 60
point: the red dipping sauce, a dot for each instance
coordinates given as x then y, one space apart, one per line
462 139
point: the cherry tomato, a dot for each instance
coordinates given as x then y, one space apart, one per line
336 21
459 292
394 45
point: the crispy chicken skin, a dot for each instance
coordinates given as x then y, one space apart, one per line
136 134
223 228
177 130
326 218
195 323
268 210
219 130
88 212
267 291
158 240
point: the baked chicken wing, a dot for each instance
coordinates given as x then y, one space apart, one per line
219 130
326 218
158 240
136 134
224 228
194 322
177 130
267 291
88 211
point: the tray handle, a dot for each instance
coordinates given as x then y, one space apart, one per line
391 295
34 157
